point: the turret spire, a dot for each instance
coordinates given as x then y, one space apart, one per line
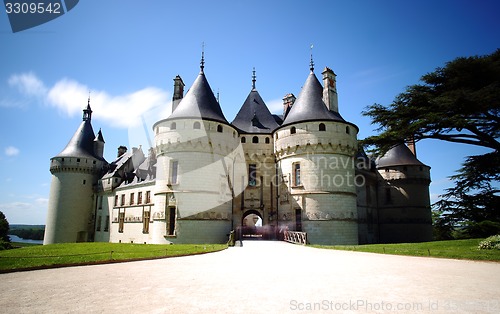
87 112
311 67
202 63
253 78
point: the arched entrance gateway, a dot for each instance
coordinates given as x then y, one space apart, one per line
253 228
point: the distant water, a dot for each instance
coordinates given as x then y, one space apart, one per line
14 238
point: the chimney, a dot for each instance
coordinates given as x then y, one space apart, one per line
121 150
411 145
178 92
330 97
288 101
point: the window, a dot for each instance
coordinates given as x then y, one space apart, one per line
148 197
132 198
121 221
347 131
145 222
255 140
267 140
171 221
252 175
296 174
116 200
243 139
173 173
106 226
84 181
100 201
98 226
122 202
219 128
78 160
173 126
293 130
139 197
322 127
196 125
298 219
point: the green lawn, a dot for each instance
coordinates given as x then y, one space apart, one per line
40 256
460 249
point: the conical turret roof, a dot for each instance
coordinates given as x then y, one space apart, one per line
309 106
199 102
399 155
254 116
81 144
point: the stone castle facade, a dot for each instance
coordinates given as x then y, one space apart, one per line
301 171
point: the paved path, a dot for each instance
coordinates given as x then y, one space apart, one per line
260 277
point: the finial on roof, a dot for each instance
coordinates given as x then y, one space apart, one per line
87 112
202 63
218 95
312 62
253 78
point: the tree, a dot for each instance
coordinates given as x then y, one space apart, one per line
4 231
457 103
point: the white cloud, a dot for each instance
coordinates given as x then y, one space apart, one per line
70 96
28 84
11 151
15 206
275 106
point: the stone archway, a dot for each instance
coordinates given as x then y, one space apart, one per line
250 226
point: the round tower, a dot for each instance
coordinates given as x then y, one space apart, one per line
315 149
75 172
195 149
404 212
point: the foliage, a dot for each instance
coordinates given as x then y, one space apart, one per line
4 232
459 249
457 103
489 243
29 233
69 254
442 228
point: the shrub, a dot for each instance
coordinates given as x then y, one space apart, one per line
489 243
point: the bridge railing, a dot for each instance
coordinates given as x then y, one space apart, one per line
295 237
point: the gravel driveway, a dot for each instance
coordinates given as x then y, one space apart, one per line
260 277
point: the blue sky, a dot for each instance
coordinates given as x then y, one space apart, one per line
128 51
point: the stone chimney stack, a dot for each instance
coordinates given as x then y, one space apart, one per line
288 101
178 92
330 97
411 145
121 150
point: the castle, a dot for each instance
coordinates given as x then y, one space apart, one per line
203 176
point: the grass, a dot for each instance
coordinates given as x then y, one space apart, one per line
69 254
459 249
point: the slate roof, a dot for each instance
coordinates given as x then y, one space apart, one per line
309 106
81 144
399 155
199 102
254 116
